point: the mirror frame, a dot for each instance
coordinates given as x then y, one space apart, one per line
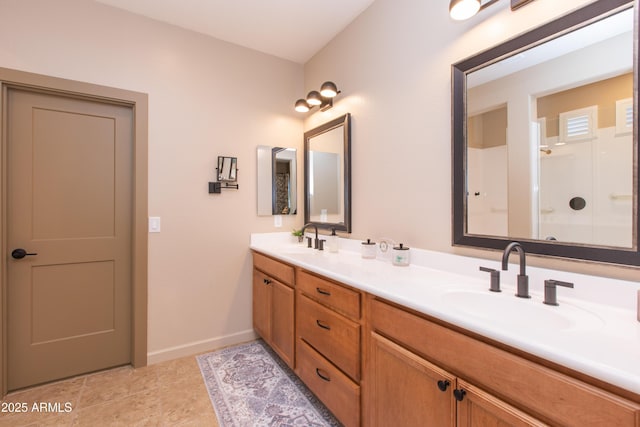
562 25
345 122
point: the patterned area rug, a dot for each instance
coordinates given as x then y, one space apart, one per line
250 385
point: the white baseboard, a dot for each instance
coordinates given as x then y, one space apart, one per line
197 347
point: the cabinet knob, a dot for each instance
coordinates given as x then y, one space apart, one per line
443 384
459 394
266 281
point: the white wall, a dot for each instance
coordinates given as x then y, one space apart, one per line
206 98
393 65
598 170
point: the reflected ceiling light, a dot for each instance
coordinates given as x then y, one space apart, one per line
463 9
323 99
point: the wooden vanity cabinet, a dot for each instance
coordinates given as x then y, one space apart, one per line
403 388
407 390
375 363
409 355
328 343
273 305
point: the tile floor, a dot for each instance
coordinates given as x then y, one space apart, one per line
165 394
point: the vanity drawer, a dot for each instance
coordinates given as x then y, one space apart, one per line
273 268
330 294
332 334
549 395
333 388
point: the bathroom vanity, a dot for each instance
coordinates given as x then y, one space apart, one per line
383 345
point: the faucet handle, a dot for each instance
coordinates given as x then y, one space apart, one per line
495 278
309 239
550 291
321 244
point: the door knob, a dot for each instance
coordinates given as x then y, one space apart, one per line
20 253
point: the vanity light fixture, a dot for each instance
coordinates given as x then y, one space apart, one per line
302 106
465 9
323 99
328 89
314 98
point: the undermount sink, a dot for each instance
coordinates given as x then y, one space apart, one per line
507 309
298 249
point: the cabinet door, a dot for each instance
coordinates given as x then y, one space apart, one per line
405 389
262 305
480 409
282 339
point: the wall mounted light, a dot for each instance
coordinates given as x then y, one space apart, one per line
465 9
322 99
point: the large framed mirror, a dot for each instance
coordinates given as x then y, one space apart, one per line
544 134
327 175
277 180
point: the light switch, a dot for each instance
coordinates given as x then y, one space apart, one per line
154 224
277 221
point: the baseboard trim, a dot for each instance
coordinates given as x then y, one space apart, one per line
197 347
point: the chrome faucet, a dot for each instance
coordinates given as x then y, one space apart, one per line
315 242
523 279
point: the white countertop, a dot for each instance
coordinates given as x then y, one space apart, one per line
603 342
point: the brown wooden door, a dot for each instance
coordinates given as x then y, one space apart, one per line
404 389
70 202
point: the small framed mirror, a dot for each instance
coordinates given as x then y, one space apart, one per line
227 169
327 174
277 181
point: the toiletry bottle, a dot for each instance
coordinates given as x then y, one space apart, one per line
368 249
400 255
333 241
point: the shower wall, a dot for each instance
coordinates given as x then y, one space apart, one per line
598 171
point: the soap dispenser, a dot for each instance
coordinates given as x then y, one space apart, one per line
333 241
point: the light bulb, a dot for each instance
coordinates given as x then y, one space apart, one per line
314 98
463 9
302 106
329 89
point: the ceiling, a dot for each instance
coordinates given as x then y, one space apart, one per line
289 29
